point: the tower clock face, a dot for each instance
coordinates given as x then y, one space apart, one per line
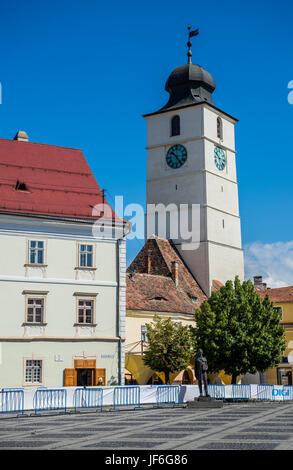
220 158
176 156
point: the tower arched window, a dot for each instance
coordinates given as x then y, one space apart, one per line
175 125
219 128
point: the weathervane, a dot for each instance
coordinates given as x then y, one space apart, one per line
189 44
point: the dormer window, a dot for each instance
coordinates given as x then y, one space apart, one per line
219 128
158 298
20 186
193 298
175 125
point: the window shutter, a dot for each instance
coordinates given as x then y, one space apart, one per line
70 378
101 373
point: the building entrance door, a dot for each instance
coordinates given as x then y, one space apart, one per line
85 377
84 374
284 376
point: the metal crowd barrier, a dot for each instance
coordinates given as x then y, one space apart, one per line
288 392
12 401
88 398
167 395
241 392
126 396
50 399
265 392
217 391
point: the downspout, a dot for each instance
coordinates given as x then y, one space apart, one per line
118 311
125 233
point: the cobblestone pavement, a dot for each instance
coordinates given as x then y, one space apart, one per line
259 426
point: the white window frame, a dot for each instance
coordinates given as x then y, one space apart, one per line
34 306
86 253
36 249
35 295
86 298
26 367
144 334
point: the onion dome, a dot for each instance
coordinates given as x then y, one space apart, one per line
189 84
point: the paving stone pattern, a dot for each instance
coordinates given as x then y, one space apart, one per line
238 426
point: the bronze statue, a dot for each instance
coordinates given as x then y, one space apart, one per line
200 371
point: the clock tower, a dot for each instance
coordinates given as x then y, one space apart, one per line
191 160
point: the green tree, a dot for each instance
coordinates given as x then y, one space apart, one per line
238 331
170 346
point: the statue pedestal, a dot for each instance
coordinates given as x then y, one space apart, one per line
205 402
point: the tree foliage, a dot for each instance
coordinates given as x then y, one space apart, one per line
238 331
170 346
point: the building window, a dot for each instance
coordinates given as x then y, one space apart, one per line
86 256
219 128
33 371
193 298
144 336
35 310
175 125
86 311
36 252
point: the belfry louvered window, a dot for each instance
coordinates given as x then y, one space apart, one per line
219 128
175 125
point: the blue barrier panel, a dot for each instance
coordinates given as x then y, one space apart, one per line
241 392
11 389
217 391
288 392
88 398
50 399
167 394
265 392
12 401
127 396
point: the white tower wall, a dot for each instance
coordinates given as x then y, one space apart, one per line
219 255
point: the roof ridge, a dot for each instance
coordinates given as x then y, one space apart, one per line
13 165
40 143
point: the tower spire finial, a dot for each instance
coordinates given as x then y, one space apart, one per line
189 43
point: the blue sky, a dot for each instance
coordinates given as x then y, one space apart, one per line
81 74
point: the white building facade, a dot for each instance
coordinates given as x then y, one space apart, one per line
62 284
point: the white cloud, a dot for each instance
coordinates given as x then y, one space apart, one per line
273 261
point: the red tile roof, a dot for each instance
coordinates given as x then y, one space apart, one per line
216 285
59 181
150 285
278 294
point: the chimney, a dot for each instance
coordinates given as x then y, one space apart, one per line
149 261
21 136
174 267
257 280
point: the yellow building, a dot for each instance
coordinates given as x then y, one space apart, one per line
158 282
282 298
